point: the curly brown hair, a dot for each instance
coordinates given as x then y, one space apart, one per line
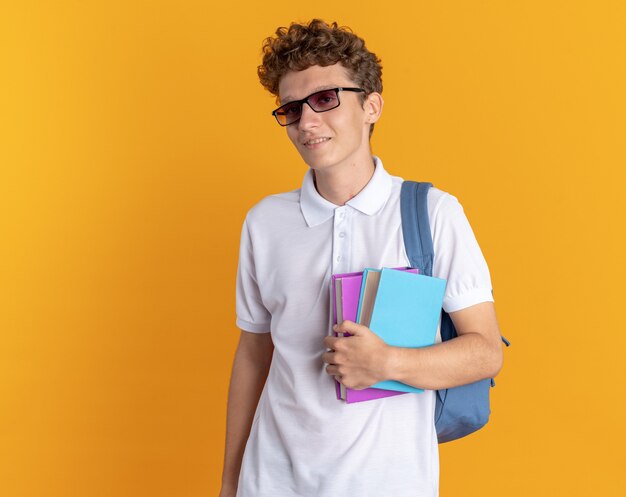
317 43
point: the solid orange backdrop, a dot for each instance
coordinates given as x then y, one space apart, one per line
134 137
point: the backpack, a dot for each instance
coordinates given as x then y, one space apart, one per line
461 410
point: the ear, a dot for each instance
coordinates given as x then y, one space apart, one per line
373 107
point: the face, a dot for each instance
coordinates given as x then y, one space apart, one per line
335 138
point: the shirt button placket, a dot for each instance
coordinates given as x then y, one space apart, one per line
340 259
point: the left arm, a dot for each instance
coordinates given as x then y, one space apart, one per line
364 359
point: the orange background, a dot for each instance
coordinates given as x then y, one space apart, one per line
134 137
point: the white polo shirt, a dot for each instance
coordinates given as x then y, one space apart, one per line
304 442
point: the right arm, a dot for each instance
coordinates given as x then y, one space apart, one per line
250 369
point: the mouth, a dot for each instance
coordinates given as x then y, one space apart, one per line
315 141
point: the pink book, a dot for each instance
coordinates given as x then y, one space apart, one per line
350 291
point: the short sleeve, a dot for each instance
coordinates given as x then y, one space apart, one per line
458 258
251 313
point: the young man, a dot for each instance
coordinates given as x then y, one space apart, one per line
287 433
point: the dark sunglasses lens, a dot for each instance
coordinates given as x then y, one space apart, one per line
324 100
289 113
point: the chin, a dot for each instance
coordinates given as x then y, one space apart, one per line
319 165
318 162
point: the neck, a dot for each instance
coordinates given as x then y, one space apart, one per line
338 185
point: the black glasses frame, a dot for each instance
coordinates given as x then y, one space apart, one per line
276 112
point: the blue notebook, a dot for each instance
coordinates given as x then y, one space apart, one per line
406 313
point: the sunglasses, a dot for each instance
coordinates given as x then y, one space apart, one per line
320 101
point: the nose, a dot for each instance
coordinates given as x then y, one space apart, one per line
309 118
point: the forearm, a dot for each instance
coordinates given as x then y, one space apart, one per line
250 369
464 359
364 359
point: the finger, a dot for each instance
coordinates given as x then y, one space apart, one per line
328 357
332 370
342 333
329 342
348 327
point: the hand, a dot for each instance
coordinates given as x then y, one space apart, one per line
358 361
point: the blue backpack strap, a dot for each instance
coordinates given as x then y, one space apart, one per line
414 210
461 410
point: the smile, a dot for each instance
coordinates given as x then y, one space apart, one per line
315 141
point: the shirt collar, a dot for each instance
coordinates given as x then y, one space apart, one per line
316 209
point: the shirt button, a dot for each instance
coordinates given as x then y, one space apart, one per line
342 234
338 258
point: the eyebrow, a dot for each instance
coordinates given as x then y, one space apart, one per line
288 99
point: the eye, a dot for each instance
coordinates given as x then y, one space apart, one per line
324 99
290 109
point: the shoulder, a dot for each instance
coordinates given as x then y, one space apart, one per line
274 207
442 205
447 218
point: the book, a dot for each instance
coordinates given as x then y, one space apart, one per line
405 313
369 287
346 295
